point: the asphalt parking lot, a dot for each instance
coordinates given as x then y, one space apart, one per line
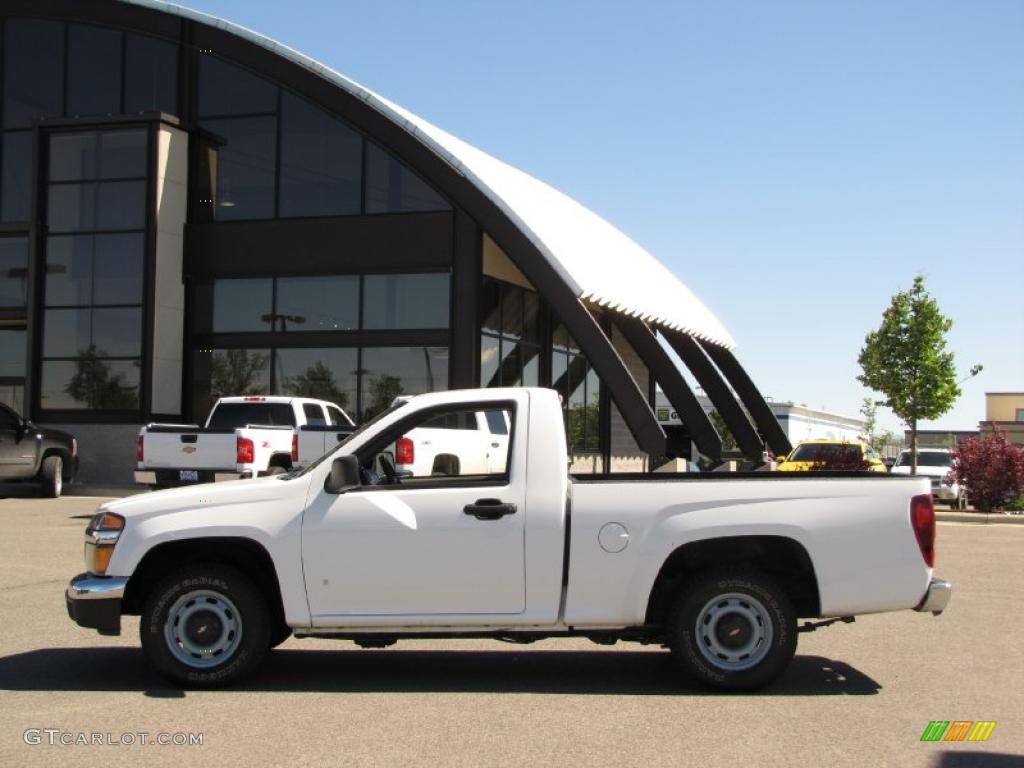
858 694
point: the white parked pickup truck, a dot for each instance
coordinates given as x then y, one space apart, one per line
717 567
244 437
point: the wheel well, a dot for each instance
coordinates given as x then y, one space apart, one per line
783 559
246 555
280 460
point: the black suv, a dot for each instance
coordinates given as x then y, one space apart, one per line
28 452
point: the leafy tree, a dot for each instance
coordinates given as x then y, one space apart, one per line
94 385
317 381
381 391
991 469
906 360
237 372
877 441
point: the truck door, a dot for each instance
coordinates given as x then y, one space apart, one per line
401 548
311 434
17 450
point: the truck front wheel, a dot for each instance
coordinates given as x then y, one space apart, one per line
51 477
732 628
205 626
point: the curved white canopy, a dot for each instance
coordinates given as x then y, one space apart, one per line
599 262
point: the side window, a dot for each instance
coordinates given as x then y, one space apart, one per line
458 420
496 422
8 419
436 448
314 415
336 418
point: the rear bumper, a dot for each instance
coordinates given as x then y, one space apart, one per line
936 598
172 476
94 602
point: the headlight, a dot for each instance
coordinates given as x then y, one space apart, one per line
101 535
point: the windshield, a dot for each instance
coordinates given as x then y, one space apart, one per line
334 450
926 459
826 452
235 415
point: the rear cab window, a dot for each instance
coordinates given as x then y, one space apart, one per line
235 415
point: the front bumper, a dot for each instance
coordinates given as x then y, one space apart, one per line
936 598
94 602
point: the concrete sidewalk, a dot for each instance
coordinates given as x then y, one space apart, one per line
965 516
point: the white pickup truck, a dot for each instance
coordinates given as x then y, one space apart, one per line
244 437
717 567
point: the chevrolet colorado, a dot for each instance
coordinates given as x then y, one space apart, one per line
716 566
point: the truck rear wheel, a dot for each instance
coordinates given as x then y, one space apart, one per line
205 626
732 628
51 477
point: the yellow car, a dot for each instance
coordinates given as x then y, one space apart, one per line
831 454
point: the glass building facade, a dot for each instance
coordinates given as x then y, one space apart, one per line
181 221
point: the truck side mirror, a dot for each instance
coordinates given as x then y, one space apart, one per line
344 475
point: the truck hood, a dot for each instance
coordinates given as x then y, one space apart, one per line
213 495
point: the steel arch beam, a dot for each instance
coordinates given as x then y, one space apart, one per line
755 403
678 392
714 385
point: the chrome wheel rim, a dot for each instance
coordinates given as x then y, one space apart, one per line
734 632
203 629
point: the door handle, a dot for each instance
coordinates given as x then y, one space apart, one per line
489 509
495 445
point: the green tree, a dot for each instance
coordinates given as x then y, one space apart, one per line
94 385
877 441
906 360
317 381
237 372
381 391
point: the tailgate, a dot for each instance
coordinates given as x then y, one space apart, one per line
189 450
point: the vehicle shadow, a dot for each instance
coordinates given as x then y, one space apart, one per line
975 759
623 673
19 490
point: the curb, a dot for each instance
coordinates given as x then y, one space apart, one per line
979 517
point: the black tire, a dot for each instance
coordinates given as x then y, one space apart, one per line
752 616
275 469
217 596
51 477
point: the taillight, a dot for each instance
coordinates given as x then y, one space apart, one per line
404 451
922 520
245 449
295 449
140 451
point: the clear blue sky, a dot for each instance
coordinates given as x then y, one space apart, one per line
795 163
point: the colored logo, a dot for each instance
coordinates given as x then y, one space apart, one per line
189 449
958 730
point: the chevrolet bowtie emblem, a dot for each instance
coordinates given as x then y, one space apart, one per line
189 449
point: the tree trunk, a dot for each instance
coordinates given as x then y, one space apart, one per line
913 446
